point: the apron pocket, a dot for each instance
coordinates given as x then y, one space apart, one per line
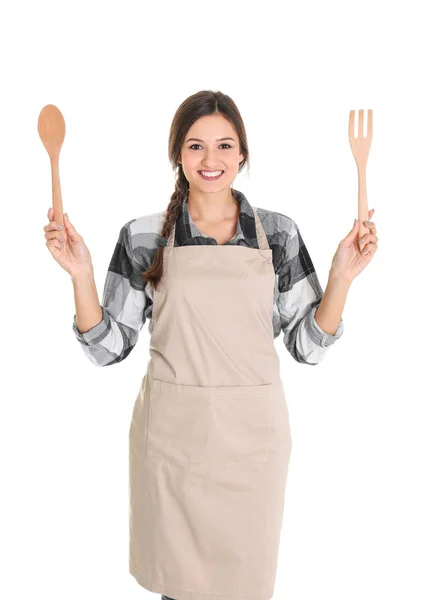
203 424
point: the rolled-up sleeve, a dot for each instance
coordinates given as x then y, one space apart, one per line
124 305
300 294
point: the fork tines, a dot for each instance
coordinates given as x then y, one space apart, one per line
360 125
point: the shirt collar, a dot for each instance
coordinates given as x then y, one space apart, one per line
187 233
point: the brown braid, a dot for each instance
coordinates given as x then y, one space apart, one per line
154 273
202 103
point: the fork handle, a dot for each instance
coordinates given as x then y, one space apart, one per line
362 202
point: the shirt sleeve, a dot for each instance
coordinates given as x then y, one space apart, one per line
300 294
124 307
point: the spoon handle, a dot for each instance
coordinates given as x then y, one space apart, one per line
57 201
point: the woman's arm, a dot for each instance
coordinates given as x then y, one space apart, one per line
88 309
328 314
300 296
108 332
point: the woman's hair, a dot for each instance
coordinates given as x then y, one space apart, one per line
198 105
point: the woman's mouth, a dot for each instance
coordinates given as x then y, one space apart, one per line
210 175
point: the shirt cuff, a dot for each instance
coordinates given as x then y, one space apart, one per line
320 337
97 333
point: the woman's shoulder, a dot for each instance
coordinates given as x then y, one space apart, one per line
148 224
275 223
143 236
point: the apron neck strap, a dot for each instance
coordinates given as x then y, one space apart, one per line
260 233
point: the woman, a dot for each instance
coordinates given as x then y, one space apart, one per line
209 438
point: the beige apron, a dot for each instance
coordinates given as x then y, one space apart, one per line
209 438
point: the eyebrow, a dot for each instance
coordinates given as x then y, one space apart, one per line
218 140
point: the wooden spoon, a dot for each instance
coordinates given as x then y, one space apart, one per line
52 130
360 147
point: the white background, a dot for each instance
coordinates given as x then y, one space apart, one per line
356 520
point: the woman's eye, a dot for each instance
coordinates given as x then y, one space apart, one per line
191 147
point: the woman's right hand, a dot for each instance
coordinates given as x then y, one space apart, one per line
67 246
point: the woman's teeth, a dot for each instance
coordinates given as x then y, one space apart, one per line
210 173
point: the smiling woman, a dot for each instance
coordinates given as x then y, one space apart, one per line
209 440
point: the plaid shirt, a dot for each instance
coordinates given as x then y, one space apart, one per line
127 298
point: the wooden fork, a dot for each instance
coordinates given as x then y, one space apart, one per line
360 147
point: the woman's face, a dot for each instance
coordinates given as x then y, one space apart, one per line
205 150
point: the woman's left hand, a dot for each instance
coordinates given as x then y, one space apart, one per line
348 260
